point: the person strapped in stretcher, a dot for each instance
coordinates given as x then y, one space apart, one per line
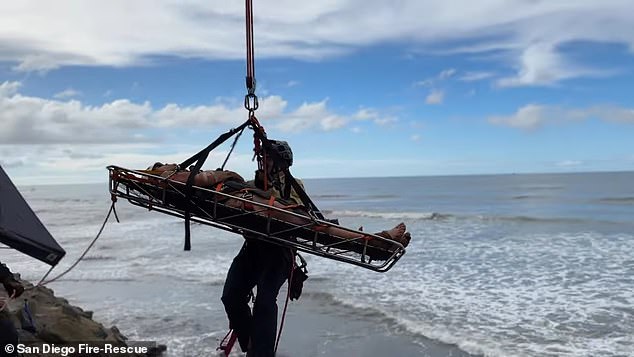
234 184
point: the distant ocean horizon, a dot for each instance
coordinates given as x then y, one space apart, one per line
105 180
499 265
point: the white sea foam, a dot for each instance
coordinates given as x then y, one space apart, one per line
516 295
390 215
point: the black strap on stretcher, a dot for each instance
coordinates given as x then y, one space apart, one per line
200 159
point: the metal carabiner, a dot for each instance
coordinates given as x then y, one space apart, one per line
251 102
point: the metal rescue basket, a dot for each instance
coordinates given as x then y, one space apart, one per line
208 206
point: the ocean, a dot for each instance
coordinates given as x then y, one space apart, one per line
498 265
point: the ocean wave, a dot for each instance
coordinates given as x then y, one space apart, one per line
529 197
353 309
392 215
62 200
356 197
540 187
330 196
437 216
617 200
400 324
92 280
98 257
382 196
531 219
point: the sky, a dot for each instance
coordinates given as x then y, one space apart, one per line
357 88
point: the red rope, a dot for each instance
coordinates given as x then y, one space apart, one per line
226 345
250 51
258 148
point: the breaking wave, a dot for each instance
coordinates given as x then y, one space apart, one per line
402 325
528 197
437 216
617 200
392 215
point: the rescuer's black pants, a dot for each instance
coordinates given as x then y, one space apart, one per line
266 266
8 335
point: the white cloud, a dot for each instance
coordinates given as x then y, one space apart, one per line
9 88
374 115
447 73
435 97
34 120
541 64
415 137
332 122
310 115
424 83
533 116
569 163
608 113
46 35
385 120
365 114
86 163
26 119
528 117
442 76
291 84
67 93
476 76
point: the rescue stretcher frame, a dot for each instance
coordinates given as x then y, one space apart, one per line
206 207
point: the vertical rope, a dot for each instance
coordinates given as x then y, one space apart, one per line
250 51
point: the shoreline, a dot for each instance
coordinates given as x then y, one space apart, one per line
338 332
314 326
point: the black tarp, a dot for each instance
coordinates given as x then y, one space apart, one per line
21 229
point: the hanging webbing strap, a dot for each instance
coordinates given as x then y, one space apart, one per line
303 195
200 159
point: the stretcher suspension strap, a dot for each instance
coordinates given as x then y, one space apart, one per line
199 159
308 203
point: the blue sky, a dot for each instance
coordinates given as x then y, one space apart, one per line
357 88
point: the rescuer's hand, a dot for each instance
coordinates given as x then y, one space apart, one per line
13 287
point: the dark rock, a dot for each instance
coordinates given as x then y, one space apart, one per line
56 321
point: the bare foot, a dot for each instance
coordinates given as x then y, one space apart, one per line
397 232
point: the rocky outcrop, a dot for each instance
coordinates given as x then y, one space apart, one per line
55 321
